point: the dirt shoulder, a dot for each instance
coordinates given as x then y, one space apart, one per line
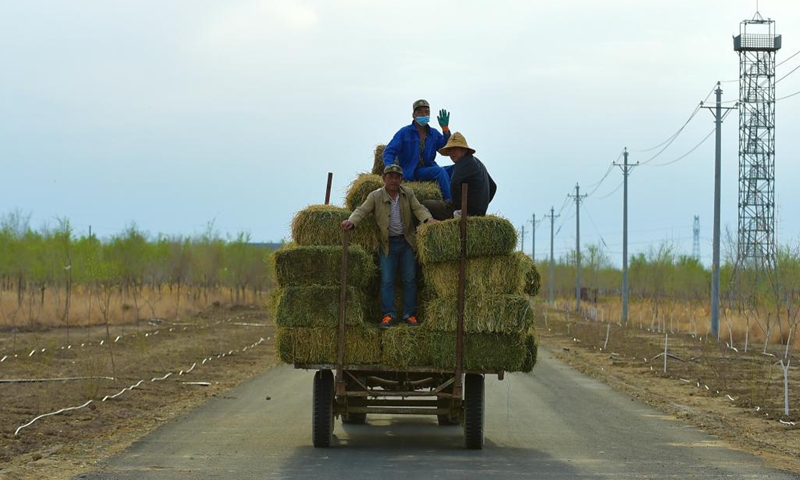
691 393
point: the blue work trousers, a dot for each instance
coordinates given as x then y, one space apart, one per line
401 256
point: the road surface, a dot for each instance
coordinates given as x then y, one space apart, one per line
554 423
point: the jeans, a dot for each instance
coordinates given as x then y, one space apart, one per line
400 255
437 174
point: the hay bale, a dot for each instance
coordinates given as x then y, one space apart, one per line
533 280
531 350
318 306
320 345
365 184
322 225
322 265
377 163
482 314
404 347
486 236
501 274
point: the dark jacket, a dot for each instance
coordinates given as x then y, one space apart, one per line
481 188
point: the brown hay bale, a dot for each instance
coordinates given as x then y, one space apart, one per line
377 164
486 236
500 274
482 314
322 265
318 306
320 345
322 225
365 184
533 280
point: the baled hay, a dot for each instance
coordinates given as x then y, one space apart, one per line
318 306
322 265
322 225
320 345
377 164
365 184
482 314
486 236
404 347
533 280
532 350
501 274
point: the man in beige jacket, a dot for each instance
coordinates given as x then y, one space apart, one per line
393 206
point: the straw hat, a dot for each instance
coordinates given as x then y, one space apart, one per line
456 140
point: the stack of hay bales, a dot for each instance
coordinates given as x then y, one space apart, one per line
308 273
499 331
498 319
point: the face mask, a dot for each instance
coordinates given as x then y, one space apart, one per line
423 120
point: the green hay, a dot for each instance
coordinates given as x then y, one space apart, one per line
501 274
322 225
533 280
377 163
486 236
318 306
322 265
532 350
404 347
365 184
320 345
482 314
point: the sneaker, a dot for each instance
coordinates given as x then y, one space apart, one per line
387 321
412 321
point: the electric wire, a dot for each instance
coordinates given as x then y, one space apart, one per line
675 136
791 57
690 151
612 191
787 96
791 72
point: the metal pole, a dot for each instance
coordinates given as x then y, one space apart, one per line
625 241
533 238
715 259
522 241
577 248
552 285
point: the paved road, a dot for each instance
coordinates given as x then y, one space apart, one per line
552 424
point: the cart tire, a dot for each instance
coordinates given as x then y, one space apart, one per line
446 420
322 417
474 397
355 418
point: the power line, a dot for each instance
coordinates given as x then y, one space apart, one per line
687 153
793 55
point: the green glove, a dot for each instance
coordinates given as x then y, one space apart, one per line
444 118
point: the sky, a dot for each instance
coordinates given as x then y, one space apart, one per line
180 116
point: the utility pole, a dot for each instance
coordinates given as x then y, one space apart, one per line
626 170
533 238
718 116
577 198
552 220
522 242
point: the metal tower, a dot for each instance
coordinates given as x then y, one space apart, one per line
757 45
696 237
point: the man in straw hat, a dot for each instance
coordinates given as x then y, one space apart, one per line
393 206
467 169
414 146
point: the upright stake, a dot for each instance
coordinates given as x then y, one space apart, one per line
462 282
328 189
340 386
666 341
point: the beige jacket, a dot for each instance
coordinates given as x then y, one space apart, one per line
379 204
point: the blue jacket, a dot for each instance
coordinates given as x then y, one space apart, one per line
405 146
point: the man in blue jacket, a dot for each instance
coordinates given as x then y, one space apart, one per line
414 147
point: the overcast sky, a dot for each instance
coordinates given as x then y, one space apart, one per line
174 114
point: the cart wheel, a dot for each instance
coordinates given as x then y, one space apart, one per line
355 418
445 420
474 397
322 417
